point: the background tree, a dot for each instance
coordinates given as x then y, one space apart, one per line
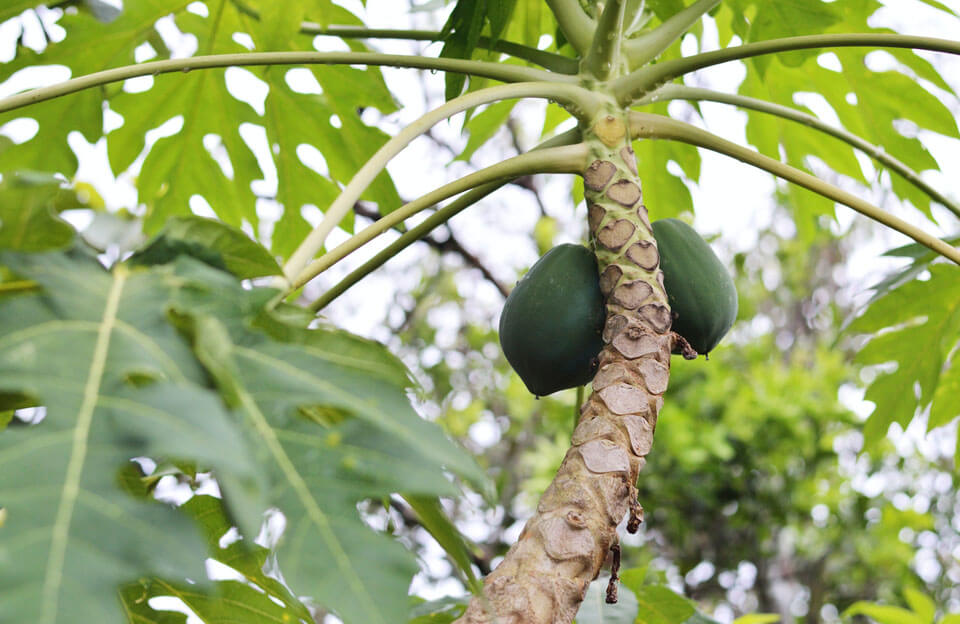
763 494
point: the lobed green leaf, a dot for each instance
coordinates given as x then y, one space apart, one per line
211 241
127 387
30 203
916 326
333 430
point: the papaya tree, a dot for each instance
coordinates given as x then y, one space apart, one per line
171 394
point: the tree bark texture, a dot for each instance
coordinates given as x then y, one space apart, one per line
545 575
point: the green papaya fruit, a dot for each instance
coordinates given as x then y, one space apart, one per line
703 298
551 323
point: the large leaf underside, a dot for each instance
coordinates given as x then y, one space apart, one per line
179 362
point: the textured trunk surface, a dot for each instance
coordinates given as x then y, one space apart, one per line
544 576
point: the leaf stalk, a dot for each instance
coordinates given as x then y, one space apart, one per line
576 25
646 125
578 100
570 159
547 60
682 92
427 225
603 59
638 83
496 71
643 49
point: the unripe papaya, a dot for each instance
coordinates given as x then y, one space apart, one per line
702 296
551 323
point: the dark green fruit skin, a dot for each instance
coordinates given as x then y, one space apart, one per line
551 323
702 296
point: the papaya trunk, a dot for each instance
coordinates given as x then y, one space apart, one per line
545 575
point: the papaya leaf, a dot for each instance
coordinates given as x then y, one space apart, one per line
945 408
87 47
774 136
845 89
29 206
664 192
298 184
769 133
499 15
918 252
329 121
887 92
349 373
484 125
434 519
247 559
440 611
330 416
326 551
180 166
595 610
922 257
135 598
555 116
334 427
15 7
942 7
275 29
884 614
213 242
127 387
531 18
462 34
207 157
916 326
48 149
91 46
923 68
233 601
921 604
664 9
787 18
376 361
658 604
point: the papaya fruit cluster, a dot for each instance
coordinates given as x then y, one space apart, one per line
551 323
